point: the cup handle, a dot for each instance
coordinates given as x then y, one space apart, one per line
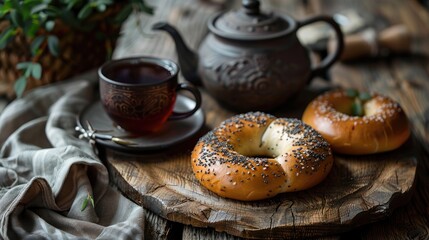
330 59
197 96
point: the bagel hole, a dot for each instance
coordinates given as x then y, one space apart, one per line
256 152
345 107
260 156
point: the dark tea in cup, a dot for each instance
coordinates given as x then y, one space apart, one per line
139 93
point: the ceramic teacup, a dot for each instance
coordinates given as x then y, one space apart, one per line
139 93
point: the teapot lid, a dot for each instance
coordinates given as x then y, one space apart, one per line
249 23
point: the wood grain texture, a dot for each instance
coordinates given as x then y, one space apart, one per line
160 228
189 16
359 190
405 78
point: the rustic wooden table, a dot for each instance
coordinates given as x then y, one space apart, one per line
403 77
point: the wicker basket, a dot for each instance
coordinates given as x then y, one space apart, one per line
79 52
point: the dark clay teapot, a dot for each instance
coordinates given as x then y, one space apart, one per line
251 60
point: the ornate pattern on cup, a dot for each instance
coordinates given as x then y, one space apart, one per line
126 101
139 93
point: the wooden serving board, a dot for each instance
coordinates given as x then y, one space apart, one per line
358 190
404 78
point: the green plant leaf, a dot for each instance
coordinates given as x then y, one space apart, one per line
123 14
351 92
39 7
53 45
84 204
27 72
357 108
85 11
30 28
53 12
16 19
23 65
89 199
35 45
15 5
101 7
72 3
364 96
49 25
36 70
5 8
6 36
106 2
30 69
20 85
143 7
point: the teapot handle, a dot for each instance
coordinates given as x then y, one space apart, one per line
332 57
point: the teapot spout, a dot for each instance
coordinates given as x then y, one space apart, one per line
188 60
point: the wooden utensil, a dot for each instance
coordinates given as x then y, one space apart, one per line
393 40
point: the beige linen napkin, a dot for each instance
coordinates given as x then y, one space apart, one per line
46 173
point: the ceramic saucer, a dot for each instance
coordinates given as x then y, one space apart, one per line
172 132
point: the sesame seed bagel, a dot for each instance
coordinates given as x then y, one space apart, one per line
382 127
255 156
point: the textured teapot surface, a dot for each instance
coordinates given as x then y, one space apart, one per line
251 60
253 77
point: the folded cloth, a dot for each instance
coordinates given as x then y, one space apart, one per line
48 176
